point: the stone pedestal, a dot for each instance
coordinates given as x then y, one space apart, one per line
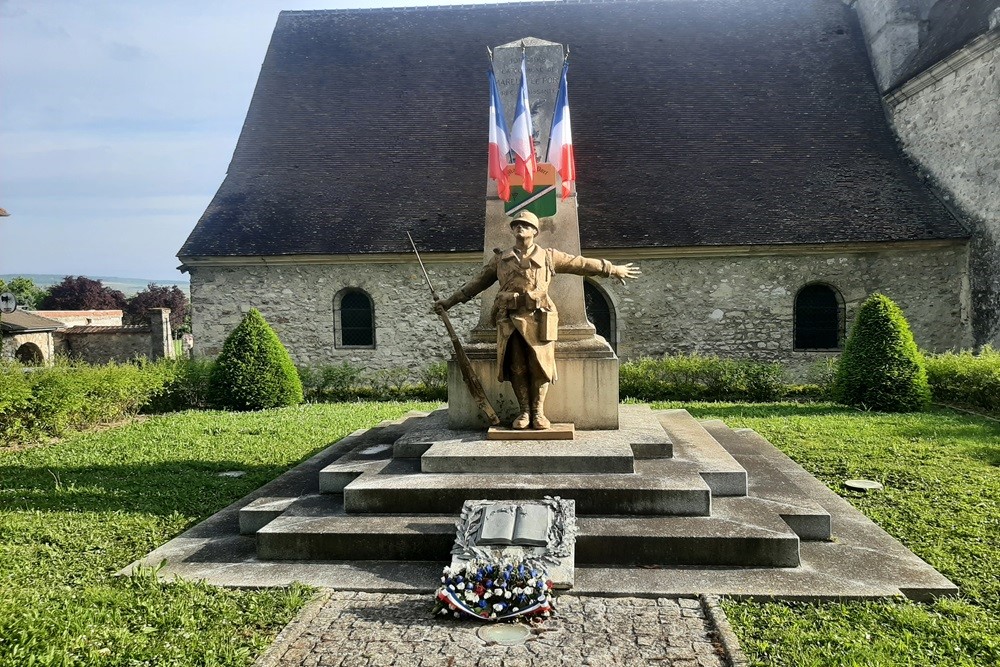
586 393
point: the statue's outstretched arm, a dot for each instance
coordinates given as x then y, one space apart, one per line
585 266
486 277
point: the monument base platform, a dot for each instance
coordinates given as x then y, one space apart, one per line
554 432
368 514
585 393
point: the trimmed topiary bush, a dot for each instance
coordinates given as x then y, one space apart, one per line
254 371
881 368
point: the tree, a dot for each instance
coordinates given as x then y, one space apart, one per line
156 296
254 370
27 293
881 368
82 293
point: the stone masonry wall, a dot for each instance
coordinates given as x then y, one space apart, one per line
297 301
99 348
951 128
730 306
43 340
893 29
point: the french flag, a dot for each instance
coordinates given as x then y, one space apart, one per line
522 136
560 153
499 143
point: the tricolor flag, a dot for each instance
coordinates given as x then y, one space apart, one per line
560 153
499 143
522 136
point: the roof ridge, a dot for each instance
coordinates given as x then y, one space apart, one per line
471 5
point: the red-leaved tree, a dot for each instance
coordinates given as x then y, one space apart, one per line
157 296
82 293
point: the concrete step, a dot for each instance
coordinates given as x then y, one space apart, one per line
583 455
770 483
590 452
691 442
658 487
317 528
743 534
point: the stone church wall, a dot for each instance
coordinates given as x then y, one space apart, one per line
950 126
946 118
731 306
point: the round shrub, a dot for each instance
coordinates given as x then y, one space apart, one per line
881 368
254 371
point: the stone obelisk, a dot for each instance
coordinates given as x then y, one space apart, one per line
586 392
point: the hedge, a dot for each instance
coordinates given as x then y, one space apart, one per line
966 379
50 400
695 377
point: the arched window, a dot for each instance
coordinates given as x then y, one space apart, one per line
819 318
354 319
600 312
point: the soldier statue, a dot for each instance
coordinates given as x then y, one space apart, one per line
524 315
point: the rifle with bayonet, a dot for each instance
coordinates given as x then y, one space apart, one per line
468 374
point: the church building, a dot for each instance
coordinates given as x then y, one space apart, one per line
768 164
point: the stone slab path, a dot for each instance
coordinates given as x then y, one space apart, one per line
352 629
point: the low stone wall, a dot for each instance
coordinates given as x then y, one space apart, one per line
99 345
733 306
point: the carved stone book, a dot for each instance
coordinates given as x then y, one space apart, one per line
515 525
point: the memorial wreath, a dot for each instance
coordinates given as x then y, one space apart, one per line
495 591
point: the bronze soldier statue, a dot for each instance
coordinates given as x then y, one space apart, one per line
525 317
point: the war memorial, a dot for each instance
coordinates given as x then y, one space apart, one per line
545 465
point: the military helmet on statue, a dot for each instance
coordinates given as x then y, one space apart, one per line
526 216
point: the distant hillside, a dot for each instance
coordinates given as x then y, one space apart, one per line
128 286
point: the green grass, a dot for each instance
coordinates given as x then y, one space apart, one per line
74 512
941 499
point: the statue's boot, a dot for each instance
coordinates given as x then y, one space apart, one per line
524 403
540 421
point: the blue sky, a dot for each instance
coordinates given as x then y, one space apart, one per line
117 123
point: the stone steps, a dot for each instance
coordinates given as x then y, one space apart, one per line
740 533
665 490
796 507
658 487
691 442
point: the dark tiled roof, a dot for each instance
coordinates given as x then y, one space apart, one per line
696 122
22 320
951 25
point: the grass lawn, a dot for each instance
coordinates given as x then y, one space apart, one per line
941 499
74 512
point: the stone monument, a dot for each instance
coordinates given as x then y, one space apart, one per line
525 316
586 393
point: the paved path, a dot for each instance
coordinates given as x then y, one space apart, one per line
375 629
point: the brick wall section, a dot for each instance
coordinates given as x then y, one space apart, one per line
731 306
950 128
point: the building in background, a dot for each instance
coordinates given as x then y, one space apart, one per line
740 152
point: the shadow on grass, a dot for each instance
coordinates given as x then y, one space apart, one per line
191 488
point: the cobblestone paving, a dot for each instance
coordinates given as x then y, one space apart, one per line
378 629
